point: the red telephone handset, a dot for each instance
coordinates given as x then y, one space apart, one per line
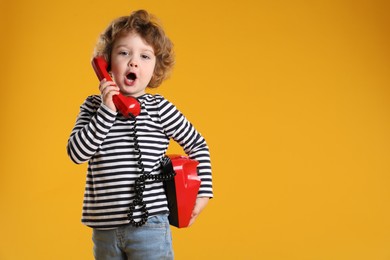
126 105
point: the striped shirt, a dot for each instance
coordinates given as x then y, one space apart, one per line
105 139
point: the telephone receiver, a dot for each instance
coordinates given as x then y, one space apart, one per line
126 105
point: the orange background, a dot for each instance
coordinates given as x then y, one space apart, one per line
292 97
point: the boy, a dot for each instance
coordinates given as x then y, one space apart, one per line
120 149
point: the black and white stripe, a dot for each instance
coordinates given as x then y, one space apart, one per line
104 139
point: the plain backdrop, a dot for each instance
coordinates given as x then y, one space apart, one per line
291 96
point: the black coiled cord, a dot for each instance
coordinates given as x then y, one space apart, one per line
139 185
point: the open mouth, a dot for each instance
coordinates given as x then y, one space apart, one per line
131 76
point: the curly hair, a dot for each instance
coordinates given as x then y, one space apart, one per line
148 28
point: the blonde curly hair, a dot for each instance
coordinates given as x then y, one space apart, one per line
148 27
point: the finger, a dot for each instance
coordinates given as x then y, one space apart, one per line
194 215
110 90
104 84
101 84
192 220
107 94
200 204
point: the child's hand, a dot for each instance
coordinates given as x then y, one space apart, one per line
107 90
200 204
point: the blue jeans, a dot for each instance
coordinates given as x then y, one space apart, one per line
150 241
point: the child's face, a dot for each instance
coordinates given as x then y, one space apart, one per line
132 64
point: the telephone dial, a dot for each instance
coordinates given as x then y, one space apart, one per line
179 173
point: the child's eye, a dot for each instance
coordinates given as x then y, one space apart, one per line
124 53
144 56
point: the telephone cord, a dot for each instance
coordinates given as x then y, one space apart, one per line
140 182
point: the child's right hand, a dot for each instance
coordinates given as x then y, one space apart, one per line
107 90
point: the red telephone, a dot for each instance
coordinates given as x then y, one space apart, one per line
126 105
182 190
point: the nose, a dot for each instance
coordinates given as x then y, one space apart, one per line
133 63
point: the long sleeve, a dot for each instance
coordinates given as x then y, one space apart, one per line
106 140
194 145
92 125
